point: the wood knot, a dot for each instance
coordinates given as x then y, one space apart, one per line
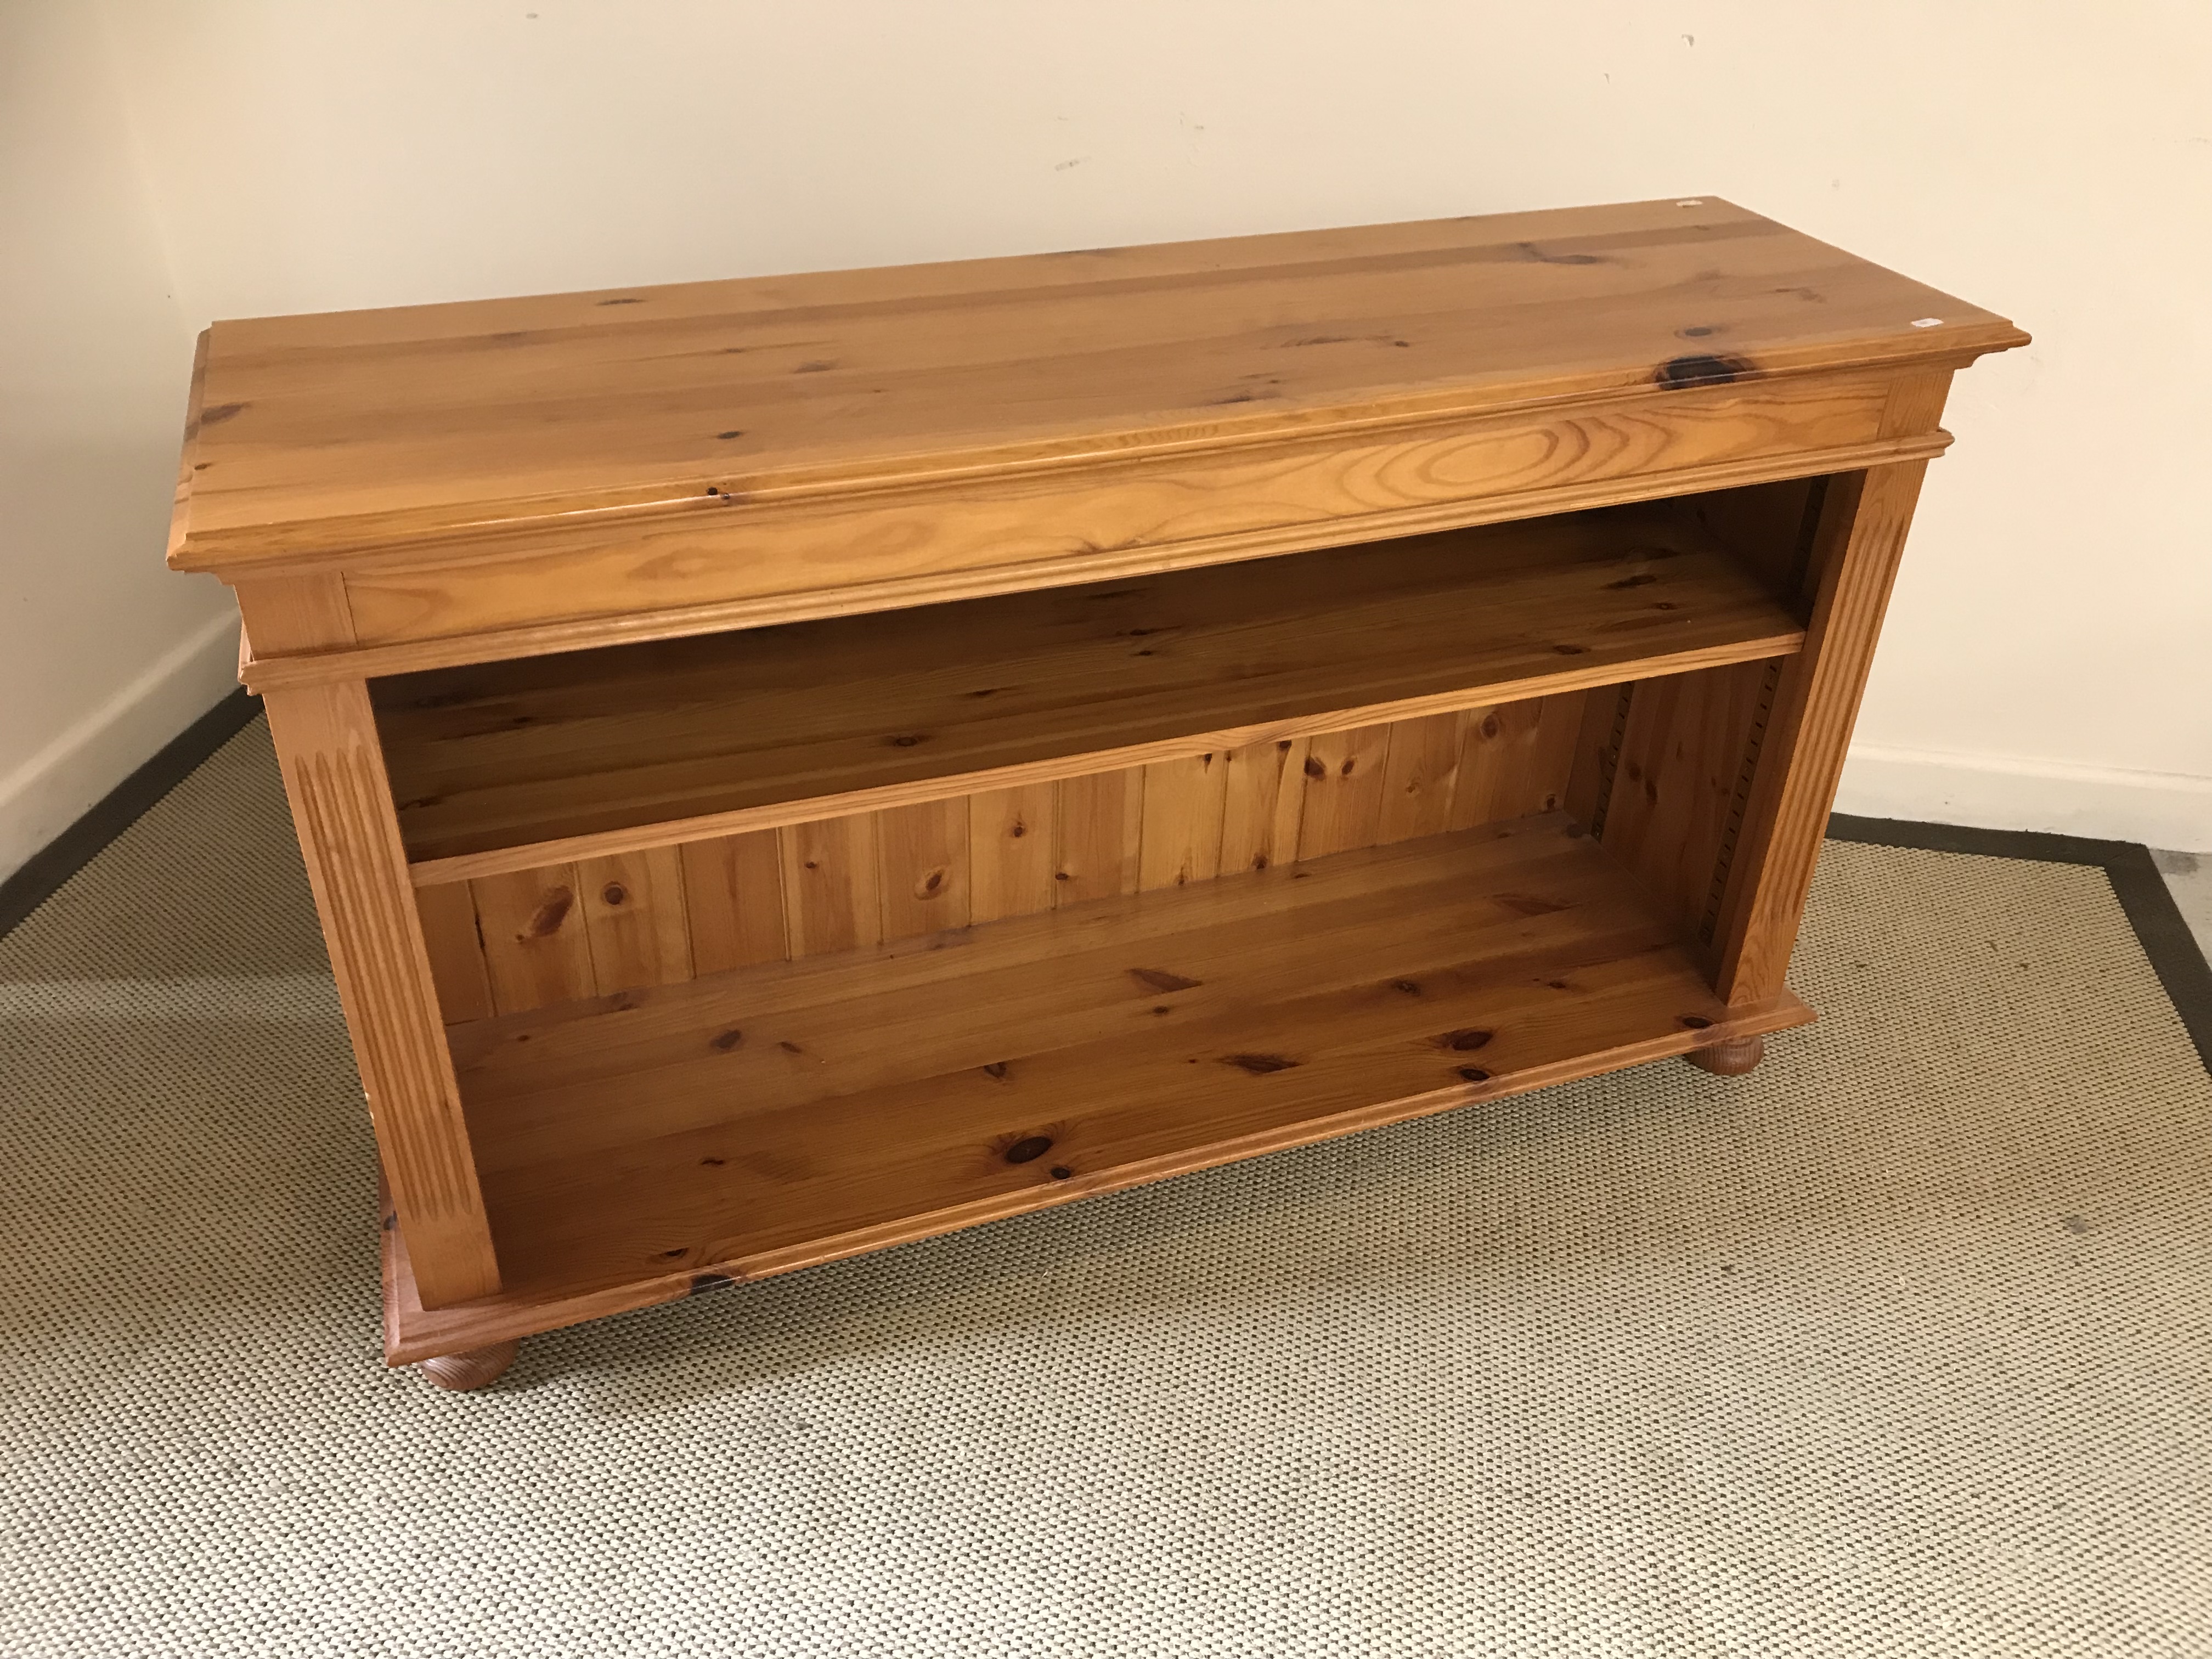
996 1069
1028 1148
1696 1022
552 910
1258 1064
1473 1074
614 893
1315 768
1701 368
1466 1041
727 1040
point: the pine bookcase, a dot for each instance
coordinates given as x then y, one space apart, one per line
795 764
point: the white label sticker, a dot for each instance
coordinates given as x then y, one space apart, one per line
1927 322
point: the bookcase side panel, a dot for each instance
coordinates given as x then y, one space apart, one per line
334 777
1860 540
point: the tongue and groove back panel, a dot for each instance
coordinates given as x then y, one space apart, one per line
1616 756
528 939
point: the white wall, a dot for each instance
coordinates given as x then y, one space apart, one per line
2047 661
104 656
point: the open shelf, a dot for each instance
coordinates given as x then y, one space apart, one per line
636 1147
505 765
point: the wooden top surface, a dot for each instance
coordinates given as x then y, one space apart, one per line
353 431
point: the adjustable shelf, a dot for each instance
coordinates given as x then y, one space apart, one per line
791 765
506 766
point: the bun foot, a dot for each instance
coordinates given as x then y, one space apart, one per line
473 1369
1730 1058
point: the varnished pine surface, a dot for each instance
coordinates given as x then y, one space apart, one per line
636 1147
382 429
554 756
504 943
334 778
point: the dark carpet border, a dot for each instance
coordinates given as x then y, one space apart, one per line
2142 892
42 876
2158 926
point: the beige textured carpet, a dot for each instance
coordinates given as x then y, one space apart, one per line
1902 1346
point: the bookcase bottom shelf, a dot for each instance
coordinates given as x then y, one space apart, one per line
635 1149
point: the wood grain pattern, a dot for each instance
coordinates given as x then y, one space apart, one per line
1682 767
555 579
1263 798
1916 401
1179 841
925 880
1860 540
1418 776
1102 818
1516 758
1344 774
455 952
1312 495
733 897
1596 754
536 945
357 432
296 611
634 916
992 855
1012 835
738 1161
334 778
1769 528
832 885
504 765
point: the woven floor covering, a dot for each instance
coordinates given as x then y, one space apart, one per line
1900 1345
